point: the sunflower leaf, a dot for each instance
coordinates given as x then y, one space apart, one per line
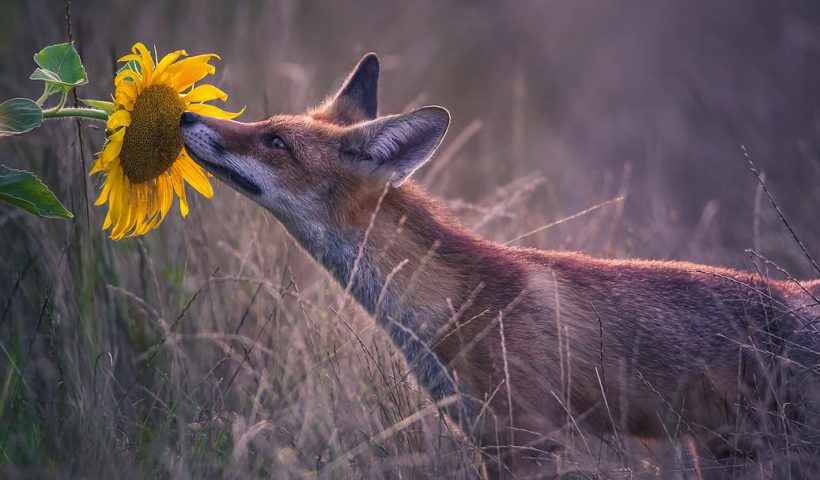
26 191
107 107
60 67
131 65
19 115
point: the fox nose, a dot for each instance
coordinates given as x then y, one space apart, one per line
188 118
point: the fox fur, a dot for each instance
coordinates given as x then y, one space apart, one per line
521 346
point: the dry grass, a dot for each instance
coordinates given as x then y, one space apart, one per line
212 348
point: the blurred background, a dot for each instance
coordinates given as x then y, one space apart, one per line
212 346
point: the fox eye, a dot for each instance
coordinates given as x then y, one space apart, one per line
273 141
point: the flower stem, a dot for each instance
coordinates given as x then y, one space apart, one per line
91 113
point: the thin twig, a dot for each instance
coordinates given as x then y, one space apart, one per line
362 246
566 219
389 432
506 374
70 33
777 209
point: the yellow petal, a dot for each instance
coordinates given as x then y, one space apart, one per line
103 194
185 72
183 203
143 211
212 111
166 194
120 118
125 94
128 196
128 58
110 151
126 224
122 213
147 62
179 189
149 213
117 136
203 93
127 75
136 203
97 167
194 175
166 61
191 75
114 203
191 61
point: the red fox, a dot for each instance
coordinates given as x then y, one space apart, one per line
520 346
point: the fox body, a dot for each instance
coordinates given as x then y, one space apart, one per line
519 345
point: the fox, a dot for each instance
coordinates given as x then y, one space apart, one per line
521 347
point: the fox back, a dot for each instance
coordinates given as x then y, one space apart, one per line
520 346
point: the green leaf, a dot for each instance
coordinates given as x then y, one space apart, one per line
19 115
131 65
107 107
60 67
25 190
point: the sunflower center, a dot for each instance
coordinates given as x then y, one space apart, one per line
152 142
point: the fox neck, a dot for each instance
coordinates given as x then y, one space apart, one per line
401 264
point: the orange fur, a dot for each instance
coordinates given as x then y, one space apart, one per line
626 347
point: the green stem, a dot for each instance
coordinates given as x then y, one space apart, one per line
91 113
43 97
62 101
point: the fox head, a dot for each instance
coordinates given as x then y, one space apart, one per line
321 169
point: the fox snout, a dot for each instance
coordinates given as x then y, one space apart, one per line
204 144
201 140
188 118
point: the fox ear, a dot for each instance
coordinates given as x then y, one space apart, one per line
357 100
393 147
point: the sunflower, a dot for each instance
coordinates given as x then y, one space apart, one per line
144 158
